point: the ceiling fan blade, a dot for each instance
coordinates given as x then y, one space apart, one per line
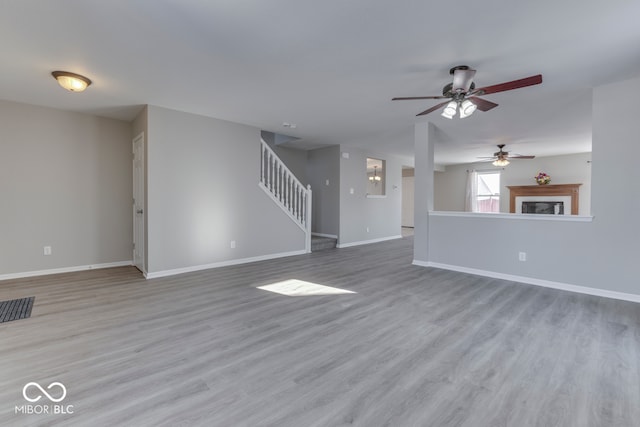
407 98
434 108
482 104
517 156
515 84
462 80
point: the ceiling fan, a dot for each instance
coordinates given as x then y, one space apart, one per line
463 95
500 157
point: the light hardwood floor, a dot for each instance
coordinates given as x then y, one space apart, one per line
412 347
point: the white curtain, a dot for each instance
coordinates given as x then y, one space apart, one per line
471 199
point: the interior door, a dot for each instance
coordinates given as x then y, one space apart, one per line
408 185
138 203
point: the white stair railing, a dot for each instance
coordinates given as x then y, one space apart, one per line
286 190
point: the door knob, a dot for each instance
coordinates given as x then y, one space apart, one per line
140 211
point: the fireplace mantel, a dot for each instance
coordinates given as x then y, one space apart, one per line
571 190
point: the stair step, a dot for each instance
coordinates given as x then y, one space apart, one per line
321 243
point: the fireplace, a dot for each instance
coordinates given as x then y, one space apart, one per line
544 208
559 199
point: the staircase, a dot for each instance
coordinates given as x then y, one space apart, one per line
286 190
319 243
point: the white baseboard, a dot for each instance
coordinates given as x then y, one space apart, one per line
64 270
533 281
331 236
173 272
366 242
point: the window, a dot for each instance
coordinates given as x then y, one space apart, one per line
375 177
488 192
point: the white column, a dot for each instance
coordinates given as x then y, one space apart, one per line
423 199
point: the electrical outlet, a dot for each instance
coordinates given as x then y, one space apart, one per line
522 256
326 183
47 250
351 191
367 229
232 245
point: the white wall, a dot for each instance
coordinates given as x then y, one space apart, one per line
382 216
615 178
65 182
602 254
203 192
449 188
450 185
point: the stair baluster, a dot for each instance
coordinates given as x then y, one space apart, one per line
286 190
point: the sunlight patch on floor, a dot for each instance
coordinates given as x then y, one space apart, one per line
300 288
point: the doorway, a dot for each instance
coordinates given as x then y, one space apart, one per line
138 203
408 185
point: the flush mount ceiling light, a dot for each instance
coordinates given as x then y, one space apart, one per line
71 81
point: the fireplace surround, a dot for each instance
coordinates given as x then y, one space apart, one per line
568 193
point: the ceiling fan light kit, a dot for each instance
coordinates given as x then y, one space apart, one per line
450 110
467 108
464 96
500 157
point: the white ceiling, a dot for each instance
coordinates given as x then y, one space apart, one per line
330 67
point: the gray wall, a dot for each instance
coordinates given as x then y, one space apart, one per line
601 254
203 192
450 185
324 164
295 159
65 181
357 212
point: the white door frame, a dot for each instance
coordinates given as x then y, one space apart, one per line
139 211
